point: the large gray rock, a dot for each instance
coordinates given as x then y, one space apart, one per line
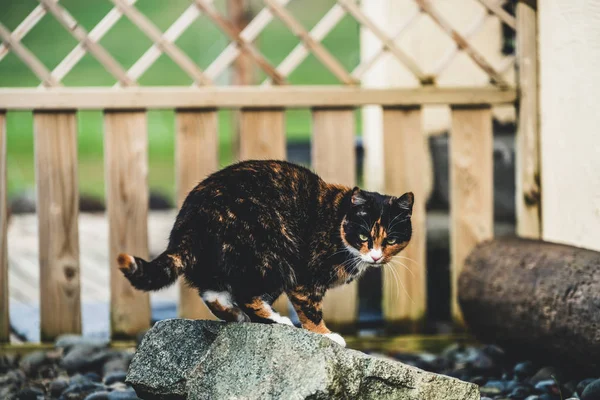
186 359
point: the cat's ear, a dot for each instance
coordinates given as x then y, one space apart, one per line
358 197
406 201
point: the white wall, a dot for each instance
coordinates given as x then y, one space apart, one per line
569 44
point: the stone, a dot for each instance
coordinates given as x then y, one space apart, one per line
101 395
68 341
583 384
58 386
591 391
29 394
187 359
83 357
31 362
114 377
524 370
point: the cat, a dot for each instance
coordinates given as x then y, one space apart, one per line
257 229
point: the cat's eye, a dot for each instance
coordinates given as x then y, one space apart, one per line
362 237
391 240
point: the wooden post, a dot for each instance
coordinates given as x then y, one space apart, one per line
196 157
263 137
58 213
242 72
334 159
528 143
4 314
126 174
404 145
472 197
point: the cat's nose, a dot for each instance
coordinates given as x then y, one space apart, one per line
375 257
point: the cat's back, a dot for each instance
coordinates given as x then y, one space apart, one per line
268 182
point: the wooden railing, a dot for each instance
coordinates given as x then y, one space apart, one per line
262 113
262 137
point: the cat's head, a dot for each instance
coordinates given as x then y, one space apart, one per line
377 227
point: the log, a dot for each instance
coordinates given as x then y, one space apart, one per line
535 299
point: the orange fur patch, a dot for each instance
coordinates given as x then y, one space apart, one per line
259 308
176 261
126 262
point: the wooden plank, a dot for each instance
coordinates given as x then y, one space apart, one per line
401 56
404 147
462 43
320 52
81 35
497 10
318 32
246 47
58 213
249 96
333 158
182 60
23 28
528 132
471 183
249 34
262 136
97 33
28 58
171 35
196 152
126 174
4 315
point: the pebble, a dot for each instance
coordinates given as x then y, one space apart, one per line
548 386
101 395
582 385
84 357
58 386
117 364
546 373
31 362
524 370
114 377
29 394
123 395
591 391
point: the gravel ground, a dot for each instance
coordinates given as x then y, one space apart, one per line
87 369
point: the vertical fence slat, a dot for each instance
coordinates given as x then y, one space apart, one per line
126 174
404 302
262 136
472 201
334 158
58 212
4 315
196 156
528 145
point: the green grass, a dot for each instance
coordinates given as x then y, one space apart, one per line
202 42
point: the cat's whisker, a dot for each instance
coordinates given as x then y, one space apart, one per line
403 265
396 279
409 259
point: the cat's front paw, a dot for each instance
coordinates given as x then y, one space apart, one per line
336 338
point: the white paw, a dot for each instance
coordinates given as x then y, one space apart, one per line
336 338
282 320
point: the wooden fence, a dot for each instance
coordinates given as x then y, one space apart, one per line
262 135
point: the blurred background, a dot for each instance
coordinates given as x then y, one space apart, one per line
353 45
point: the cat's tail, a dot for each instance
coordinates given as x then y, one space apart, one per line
152 275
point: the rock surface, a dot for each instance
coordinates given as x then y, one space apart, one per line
185 359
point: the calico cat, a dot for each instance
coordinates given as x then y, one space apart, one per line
256 229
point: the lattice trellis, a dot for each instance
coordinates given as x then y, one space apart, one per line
242 42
